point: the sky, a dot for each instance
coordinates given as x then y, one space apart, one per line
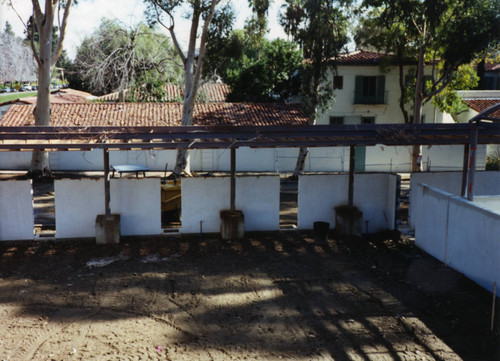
86 16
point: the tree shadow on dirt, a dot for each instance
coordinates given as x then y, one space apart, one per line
283 294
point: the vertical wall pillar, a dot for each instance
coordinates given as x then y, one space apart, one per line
465 170
107 196
472 164
233 179
352 155
232 221
107 226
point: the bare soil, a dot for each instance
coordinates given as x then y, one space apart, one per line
270 296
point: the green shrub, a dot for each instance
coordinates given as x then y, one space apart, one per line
492 163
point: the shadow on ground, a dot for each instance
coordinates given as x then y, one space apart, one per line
269 296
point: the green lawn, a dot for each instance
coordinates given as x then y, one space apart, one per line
7 97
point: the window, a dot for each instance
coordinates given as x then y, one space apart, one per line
367 120
338 82
336 120
369 90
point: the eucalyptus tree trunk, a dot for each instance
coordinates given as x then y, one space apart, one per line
46 60
416 155
40 159
193 66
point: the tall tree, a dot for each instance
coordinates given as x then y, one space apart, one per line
201 14
43 18
16 62
320 28
114 58
445 34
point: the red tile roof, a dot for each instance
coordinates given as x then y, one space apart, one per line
208 93
480 105
159 114
365 57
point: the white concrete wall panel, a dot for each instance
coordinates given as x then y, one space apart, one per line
259 198
16 211
432 219
15 160
78 202
204 198
473 247
486 183
320 194
462 234
138 201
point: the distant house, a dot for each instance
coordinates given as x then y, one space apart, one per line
366 86
489 75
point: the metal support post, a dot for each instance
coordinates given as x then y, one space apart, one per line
472 164
233 179
352 155
465 170
106 183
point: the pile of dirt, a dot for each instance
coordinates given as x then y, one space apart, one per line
268 297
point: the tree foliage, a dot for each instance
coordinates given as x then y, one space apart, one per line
264 73
444 34
16 62
114 58
320 28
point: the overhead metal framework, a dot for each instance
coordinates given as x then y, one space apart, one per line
209 137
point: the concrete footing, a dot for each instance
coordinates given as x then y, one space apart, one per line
232 224
107 230
348 220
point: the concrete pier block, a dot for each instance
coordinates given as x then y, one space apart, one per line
107 230
232 224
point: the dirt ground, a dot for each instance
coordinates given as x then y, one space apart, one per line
271 296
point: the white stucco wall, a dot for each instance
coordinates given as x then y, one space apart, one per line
204 198
331 159
460 233
374 195
486 183
16 210
78 202
15 160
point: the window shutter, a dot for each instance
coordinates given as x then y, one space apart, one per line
358 90
380 95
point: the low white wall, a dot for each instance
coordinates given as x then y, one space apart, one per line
460 233
78 202
323 159
485 183
16 210
374 195
15 160
204 198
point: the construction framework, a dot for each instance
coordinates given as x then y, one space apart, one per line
482 129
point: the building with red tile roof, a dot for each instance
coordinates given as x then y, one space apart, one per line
366 57
159 114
